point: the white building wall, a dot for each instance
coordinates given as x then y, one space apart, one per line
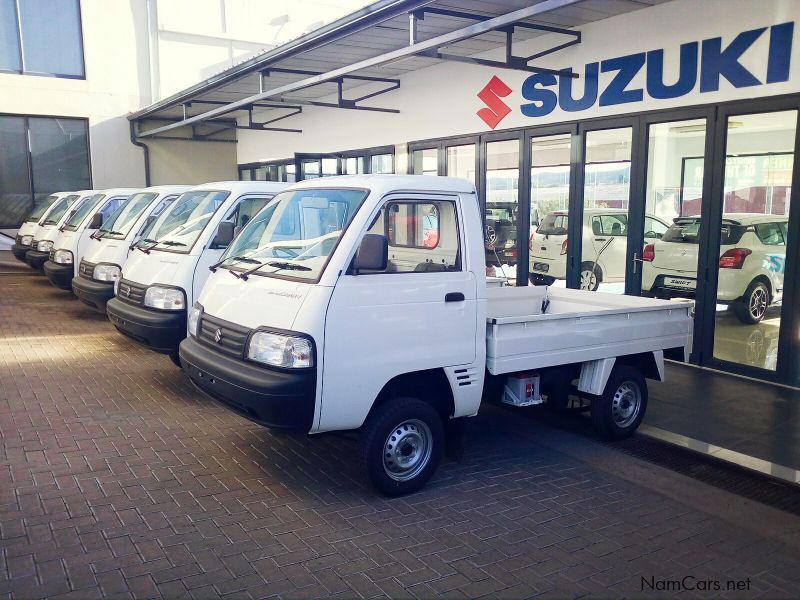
441 100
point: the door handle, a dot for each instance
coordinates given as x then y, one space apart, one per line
599 239
454 297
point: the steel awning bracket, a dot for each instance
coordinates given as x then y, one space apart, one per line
341 101
512 61
263 125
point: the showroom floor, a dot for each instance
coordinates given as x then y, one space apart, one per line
118 479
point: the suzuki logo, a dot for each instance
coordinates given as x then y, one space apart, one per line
497 109
218 335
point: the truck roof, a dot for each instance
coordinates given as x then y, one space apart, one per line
238 187
167 188
391 183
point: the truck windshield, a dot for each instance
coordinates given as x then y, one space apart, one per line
178 228
120 222
60 209
87 206
295 234
40 209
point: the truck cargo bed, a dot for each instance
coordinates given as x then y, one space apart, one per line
578 326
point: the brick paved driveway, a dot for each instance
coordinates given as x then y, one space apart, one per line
118 479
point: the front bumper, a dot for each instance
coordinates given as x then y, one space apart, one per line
94 294
280 399
19 251
59 275
36 259
158 330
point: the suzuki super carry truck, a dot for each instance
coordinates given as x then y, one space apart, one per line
101 263
76 232
48 228
360 302
22 242
168 267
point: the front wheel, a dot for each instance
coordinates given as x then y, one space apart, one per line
619 410
401 445
753 305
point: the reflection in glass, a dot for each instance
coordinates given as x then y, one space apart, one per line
381 163
425 162
329 166
550 171
353 165
502 203
461 161
46 26
15 192
606 192
752 254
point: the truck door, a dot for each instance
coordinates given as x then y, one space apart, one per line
420 313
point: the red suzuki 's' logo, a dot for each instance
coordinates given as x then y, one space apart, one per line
491 95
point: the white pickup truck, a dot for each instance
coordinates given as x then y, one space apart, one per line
360 302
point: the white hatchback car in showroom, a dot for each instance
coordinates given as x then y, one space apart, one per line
605 233
751 263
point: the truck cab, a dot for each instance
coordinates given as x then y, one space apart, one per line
169 266
77 231
101 264
48 228
24 237
361 303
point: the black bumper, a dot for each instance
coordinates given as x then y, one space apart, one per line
19 251
36 259
94 294
274 398
158 330
59 275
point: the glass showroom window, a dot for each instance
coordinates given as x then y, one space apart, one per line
58 161
30 29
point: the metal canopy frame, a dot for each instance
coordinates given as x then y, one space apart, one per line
430 47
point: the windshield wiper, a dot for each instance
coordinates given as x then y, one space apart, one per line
146 249
289 266
171 243
213 268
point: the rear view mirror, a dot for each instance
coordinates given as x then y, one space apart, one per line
97 221
372 254
225 234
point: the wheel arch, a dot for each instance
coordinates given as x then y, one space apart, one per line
430 386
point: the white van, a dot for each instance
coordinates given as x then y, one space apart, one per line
101 264
22 242
75 233
167 270
360 302
45 233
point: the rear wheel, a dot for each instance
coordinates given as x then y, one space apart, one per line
401 445
619 410
753 305
591 276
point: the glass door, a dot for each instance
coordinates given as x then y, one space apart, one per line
751 245
461 161
425 161
312 166
501 208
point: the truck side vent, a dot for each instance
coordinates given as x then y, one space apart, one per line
466 376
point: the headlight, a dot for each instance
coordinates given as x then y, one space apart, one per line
281 350
26 240
164 298
103 272
193 319
44 246
62 257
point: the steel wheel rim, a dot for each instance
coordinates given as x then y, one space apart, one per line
626 403
407 450
588 280
758 303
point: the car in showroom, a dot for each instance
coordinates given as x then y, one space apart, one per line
605 234
751 262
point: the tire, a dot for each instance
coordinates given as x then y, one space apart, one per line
591 276
175 360
619 410
754 303
404 429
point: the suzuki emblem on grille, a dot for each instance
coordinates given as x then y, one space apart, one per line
218 335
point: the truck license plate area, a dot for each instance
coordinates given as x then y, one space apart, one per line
540 266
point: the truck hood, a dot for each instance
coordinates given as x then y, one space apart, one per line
257 302
107 250
67 240
27 228
157 267
46 232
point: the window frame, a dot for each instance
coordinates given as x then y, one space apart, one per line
415 204
21 52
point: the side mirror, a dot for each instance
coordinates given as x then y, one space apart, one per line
225 234
97 221
372 254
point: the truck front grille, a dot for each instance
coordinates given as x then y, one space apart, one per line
86 269
130 292
223 336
